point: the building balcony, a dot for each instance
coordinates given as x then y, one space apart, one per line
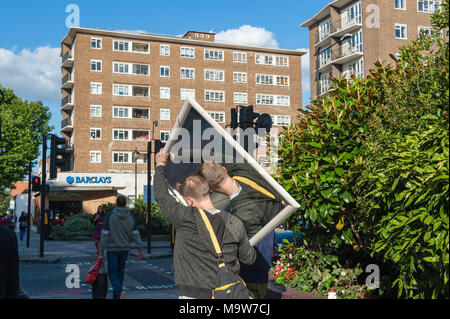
67 103
337 30
347 54
66 125
67 81
67 60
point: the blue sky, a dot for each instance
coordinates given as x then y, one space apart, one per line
31 32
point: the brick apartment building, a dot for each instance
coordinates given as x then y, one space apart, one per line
115 85
348 36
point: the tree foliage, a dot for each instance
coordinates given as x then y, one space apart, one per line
369 166
23 125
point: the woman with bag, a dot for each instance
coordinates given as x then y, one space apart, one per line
98 220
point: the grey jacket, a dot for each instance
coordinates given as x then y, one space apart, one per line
119 231
195 260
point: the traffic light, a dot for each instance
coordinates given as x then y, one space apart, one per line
247 116
35 183
234 119
263 121
56 151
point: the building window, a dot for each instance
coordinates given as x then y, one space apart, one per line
96 65
120 67
186 52
239 57
164 71
214 75
240 98
219 117
96 43
400 4
401 31
122 157
355 68
129 46
269 99
131 68
428 6
164 93
282 80
131 90
184 93
164 136
425 31
324 82
214 96
164 50
121 45
239 77
281 120
324 57
265 79
96 88
96 111
164 114
215 55
96 133
140 69
272 60
120 112
187 73
324 29
95 157
121 90
120 135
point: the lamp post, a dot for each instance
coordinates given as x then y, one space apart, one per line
149 190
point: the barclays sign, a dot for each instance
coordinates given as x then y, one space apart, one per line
88 180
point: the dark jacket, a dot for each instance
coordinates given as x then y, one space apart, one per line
9 264
195 260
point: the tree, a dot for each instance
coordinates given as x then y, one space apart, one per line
23 125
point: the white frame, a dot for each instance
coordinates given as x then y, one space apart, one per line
166 90
96 108
130 46
164 76
164 111
96 64
97 153
215 73
404 5
98 88
188 69
101 43
291 203
165 47
406 31
96 129
215 91
187 56
130 156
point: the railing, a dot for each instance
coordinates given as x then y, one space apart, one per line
66 100
66 78
346 51
66 56
66 122
337 26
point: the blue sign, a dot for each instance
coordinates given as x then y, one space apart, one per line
152 196
89 180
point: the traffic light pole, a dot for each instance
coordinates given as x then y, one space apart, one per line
29 204
149 197
44 175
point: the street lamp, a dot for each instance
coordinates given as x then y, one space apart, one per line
136 154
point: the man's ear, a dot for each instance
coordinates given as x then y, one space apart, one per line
225 169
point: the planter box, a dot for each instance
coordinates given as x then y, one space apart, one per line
297 294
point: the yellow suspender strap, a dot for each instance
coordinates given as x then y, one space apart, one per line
254 185
211 232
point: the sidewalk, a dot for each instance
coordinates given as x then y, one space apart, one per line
54 250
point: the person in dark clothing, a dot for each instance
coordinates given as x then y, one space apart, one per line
195 259
254 201
23 225
9 264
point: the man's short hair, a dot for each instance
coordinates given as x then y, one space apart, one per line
194 186
121 201
213 173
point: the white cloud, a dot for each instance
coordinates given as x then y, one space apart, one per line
32 74
248 35
306 81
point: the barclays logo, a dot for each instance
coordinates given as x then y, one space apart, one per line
88 180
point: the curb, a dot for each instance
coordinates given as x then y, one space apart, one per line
39 260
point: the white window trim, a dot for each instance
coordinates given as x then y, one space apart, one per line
130 138
96 61
240 73
243 53
101 43
95 128
130 90
216 72
189 91
275 98
406 31
130 157
185 56
90 157
209 59
186 78
165 112
214 113
404 4
161 96
130 68
96 106
240 93
122 117
162 131
97 85
164 76
215 91
427 12
164 45
130 46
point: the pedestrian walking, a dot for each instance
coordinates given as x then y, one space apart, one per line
196 264
98 220
22 225
119 230
9 264
255 203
